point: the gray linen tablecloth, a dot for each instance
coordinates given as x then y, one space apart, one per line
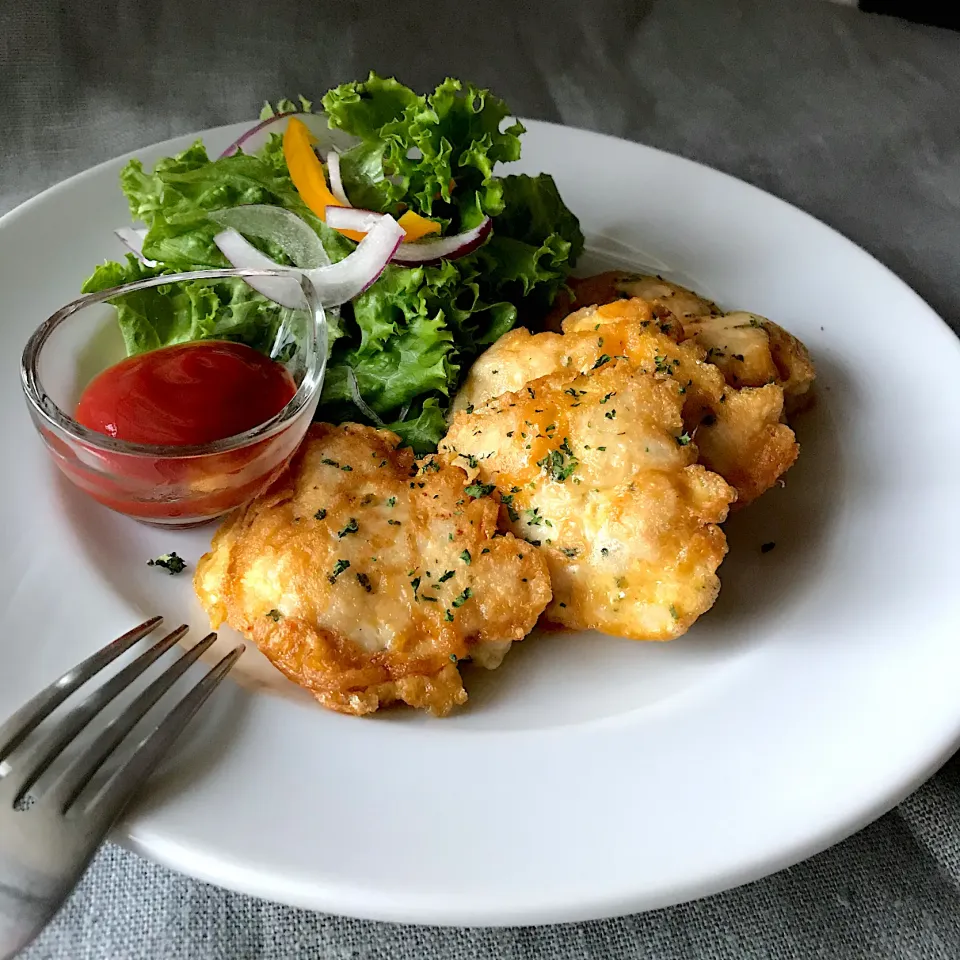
849 116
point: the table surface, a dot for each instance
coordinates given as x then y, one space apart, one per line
849 116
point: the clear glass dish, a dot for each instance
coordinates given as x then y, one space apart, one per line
168 485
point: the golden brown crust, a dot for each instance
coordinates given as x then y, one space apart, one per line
750 350
365 582
602 288
747 443
795 370
594 467
680 301
743 446
738 345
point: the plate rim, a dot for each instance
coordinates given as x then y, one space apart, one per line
788 855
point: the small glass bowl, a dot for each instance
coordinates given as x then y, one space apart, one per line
176 486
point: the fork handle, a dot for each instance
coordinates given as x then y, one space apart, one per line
22 917
50 846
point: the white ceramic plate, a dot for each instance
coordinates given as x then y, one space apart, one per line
588 776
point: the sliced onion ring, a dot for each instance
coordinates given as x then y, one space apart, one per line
420 251
446 248
263 125
335 284
342 281
352 218
282 227
132 238
244 256
336 181
258 135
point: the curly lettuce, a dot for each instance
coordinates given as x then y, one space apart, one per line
433 154
406 341
178 313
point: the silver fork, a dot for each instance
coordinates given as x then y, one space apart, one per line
48 836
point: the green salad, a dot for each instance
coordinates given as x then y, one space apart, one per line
406 341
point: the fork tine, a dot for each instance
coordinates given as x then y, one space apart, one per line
15 730
37 763
84 769
153 748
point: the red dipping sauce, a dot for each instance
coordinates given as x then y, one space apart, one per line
192 393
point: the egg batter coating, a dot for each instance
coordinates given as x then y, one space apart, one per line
739 433
680 301
597 470
365 578
663 296
750 350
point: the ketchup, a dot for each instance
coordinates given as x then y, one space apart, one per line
191 393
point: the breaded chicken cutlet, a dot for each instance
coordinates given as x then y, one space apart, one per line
750 350
365 580
595 467
739 432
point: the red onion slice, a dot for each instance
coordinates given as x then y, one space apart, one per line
335 284
420 251
336 181
446 248
263 125
132 238
258 135
282 227
358 401
243 255
342 281
352 218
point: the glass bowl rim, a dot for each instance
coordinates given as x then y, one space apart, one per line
41 403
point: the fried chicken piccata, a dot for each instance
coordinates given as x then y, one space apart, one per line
740 433
581 484
365 578
749 350
595 467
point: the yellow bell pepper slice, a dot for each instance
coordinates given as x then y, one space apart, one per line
306 172
416 226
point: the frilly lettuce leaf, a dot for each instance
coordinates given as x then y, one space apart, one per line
284 105
410 336
423 152
272 155
145 191
177 313
363 108
533 211
414 361
535 241
422 429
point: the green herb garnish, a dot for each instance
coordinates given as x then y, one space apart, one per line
171 562
351 527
